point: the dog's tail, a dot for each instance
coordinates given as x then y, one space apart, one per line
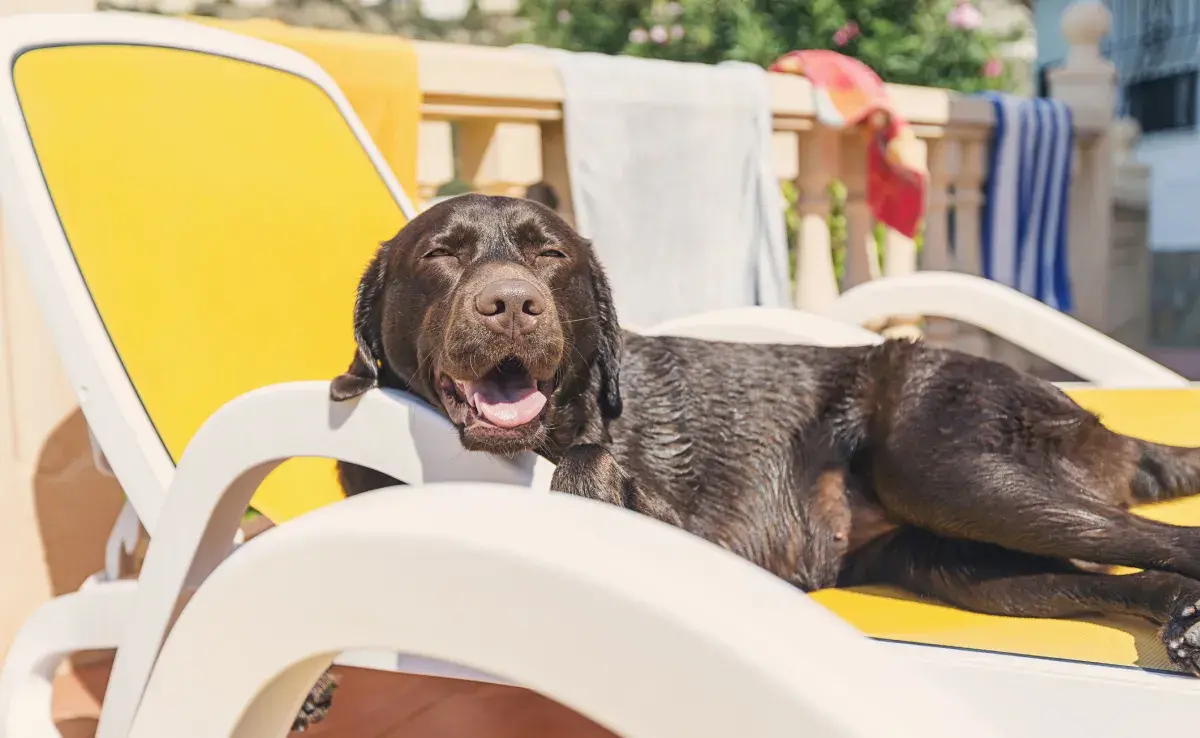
1165 472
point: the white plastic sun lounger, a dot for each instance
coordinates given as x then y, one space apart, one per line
141 410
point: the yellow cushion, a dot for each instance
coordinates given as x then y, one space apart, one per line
377 73
221 213
1162 415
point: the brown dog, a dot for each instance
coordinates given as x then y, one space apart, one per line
946 475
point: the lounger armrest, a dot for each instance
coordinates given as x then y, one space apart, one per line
766 325
644 628
229 456
1007 313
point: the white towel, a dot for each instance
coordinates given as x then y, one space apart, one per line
672 180
1024 239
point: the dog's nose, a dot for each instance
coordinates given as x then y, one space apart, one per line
509 306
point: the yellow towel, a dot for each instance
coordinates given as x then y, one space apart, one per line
377 73
1162 415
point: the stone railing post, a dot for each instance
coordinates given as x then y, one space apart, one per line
1087 83
1131 312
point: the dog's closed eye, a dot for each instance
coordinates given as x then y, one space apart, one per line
438 253
552 254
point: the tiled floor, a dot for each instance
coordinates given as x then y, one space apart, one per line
371 704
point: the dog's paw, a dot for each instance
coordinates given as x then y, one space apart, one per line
316 705
1181 636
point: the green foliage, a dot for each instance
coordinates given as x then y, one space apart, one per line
905 41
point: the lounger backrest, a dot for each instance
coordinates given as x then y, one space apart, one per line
220 211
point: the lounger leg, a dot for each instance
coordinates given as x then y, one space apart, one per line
986 578
92 618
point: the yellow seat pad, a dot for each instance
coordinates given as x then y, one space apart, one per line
1163 415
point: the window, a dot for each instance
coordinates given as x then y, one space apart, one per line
1165 103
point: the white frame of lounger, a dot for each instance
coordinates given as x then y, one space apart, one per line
1009 314
765 325
621 595
106 396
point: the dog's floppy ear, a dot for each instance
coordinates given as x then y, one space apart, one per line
363 373
608 352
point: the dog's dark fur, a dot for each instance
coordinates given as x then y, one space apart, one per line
947 475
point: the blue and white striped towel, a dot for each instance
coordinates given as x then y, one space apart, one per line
1024 240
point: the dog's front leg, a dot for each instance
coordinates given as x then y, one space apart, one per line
591 471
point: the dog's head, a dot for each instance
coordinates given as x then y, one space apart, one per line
495 310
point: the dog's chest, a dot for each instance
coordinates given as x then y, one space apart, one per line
731 437
748 488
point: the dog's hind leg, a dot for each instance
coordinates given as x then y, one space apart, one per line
986 578
995 499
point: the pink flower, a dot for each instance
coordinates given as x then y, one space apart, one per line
658 35
964 16
673 10
846 34
564 16
993 67
638 36
677 32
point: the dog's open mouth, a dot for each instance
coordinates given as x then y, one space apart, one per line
507 398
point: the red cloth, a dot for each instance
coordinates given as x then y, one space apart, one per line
849 93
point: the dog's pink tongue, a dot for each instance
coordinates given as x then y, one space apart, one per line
506 404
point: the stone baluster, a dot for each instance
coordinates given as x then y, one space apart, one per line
554 167
967 177
435 159
500 157
900 257
862 252
817 156
935 252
